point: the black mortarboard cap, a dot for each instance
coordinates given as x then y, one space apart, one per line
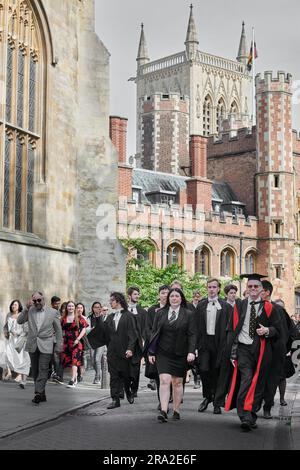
253 276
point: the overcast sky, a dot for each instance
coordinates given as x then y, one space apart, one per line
218 23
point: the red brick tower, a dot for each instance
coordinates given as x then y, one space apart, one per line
275 184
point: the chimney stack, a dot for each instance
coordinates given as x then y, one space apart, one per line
118 136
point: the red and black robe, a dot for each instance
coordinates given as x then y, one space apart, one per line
269 318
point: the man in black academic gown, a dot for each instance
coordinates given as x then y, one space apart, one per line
120 335
252 326
288 333
212 315
140 316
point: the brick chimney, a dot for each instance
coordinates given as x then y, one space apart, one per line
118 136
198 156
199 188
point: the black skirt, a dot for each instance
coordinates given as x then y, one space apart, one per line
170 364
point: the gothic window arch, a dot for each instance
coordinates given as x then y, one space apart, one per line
175 255
202 261
234 108
250 262
227 263
207 116
21 117
221 113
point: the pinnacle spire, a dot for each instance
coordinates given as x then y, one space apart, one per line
242 53
143 56
191 42
192 31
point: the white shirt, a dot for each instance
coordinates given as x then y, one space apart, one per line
244 334
117 318
212 307
39 318
132 308
171 310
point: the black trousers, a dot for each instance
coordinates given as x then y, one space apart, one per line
135 370
40 367
247 362
119 370
210 377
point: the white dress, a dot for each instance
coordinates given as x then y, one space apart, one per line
17 362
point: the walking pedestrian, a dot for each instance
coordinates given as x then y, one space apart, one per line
250 330
55 367
98 314
18 360
74 328
41 322
172 348
119 333
212 316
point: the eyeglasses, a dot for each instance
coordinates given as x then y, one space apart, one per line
37 301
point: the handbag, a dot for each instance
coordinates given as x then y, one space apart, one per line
20 343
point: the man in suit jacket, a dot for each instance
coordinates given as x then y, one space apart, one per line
212 317
42 321
120 335
140 316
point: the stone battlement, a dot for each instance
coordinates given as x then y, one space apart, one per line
268 81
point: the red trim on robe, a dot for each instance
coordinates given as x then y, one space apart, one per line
232 389
235 318
251 392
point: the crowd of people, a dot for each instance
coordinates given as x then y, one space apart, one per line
240 349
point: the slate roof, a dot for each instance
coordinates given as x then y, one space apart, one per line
151 181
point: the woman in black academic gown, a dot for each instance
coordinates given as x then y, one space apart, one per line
172 348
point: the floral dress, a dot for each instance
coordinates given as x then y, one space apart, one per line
72 355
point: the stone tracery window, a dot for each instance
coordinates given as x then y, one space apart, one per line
221 113
207 116
21 55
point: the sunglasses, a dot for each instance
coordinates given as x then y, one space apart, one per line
37 301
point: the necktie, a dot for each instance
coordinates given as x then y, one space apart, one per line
173 317
252 324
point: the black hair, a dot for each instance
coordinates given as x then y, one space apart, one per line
19 303
267 286
132 289
183 299
77 305
120 298
164 287
55 299
229 287
95 303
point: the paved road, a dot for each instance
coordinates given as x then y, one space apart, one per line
134 427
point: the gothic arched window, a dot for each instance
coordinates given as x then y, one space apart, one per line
207 115
202 261
221 112
175 255
234 108
227 263
250 262
20 117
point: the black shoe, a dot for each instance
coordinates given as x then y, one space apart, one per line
129 396
203 406
176 416
253 426
283 403
246 426
37 399
114 404
267 414
152 386
217 410
162 417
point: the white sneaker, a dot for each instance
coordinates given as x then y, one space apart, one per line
71 384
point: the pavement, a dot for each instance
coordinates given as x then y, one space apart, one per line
87 403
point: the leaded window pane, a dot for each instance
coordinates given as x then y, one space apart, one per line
32 94
18 191
6 199
9 82
30 187
20 99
